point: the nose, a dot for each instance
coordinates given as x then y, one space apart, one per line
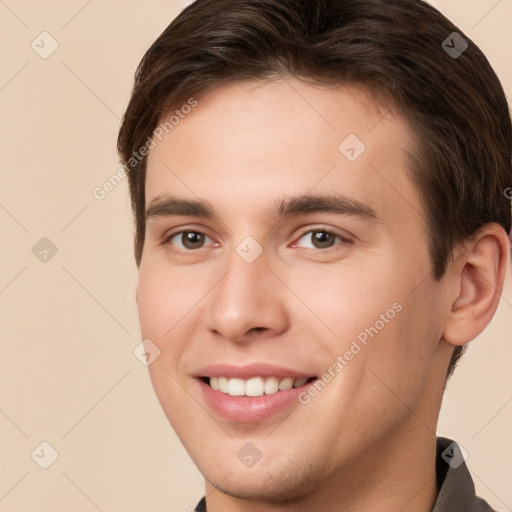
249 302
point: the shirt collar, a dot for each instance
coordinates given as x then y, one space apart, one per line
456 488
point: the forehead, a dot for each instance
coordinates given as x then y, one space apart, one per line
246 144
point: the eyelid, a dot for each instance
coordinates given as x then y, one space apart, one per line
346 238
168 235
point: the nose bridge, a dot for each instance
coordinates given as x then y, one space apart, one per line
247 297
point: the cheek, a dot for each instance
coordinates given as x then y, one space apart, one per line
399 357
371 317
345 301
163 299
163 304
154 301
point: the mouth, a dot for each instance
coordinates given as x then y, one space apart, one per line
251 394
255 386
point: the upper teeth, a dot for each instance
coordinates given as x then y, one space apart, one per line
255 386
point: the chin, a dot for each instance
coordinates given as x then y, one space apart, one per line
259 487
280 481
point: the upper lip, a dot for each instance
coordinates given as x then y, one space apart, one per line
249 370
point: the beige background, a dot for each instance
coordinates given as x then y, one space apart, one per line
69 326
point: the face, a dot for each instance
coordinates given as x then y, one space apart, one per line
286 281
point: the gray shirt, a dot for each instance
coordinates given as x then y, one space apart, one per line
456 489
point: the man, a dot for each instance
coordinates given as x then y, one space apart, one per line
319 190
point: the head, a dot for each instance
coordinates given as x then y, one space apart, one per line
364 169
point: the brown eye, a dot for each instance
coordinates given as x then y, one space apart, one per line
192 239
318 239
188 240
323 239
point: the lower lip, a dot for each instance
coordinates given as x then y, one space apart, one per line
247 409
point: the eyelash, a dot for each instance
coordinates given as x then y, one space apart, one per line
344 240
341 239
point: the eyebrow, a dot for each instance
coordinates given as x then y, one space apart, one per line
166 206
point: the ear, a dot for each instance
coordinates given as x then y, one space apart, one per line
477 274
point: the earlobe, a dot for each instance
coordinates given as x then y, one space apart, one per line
479 277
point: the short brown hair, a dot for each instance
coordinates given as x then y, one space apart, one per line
402 49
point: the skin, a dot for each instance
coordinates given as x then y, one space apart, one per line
367 440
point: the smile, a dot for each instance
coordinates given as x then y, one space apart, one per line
255 386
